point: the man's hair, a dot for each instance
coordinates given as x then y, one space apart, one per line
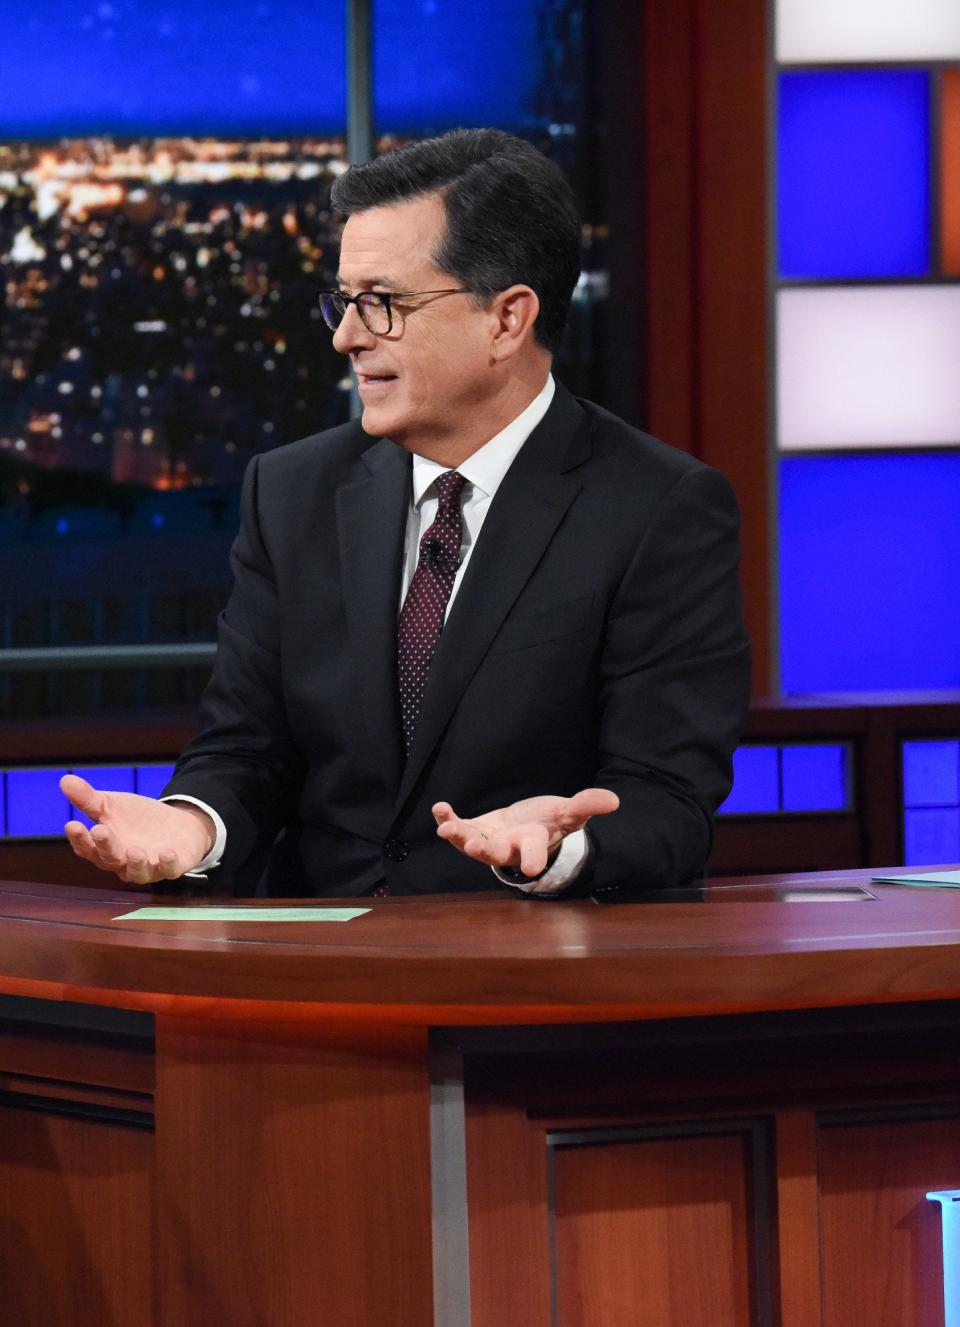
511 215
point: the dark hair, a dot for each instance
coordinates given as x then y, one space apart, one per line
511 215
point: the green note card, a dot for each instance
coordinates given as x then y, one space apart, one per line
238 914
932 880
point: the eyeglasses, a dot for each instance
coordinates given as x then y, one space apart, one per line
375 307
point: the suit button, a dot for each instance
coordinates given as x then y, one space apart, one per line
396 850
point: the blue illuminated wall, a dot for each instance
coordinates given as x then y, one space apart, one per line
853 173
931 801
440 66
869 541
32 804
870 572
249 66
773 780
262 66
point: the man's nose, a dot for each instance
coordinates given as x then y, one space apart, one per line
353 333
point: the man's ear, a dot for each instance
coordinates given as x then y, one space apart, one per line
515 311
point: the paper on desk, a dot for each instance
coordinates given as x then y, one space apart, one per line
932 879
241 915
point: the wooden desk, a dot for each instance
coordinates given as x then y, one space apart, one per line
479 1113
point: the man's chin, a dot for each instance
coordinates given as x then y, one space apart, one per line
378 421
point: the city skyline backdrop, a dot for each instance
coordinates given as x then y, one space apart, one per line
164 228
160 320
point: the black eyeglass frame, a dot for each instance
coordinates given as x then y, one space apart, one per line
382 298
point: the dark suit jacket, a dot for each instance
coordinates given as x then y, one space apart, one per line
595 639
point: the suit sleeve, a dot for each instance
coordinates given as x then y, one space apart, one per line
674 690
245 762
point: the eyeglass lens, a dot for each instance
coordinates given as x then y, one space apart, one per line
373 310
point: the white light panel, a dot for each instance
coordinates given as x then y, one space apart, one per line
828 30
868 366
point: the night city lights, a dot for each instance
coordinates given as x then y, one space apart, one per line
164 229
160 304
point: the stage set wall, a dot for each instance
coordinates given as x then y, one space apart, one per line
688 170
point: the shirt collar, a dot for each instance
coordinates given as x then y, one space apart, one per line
487 466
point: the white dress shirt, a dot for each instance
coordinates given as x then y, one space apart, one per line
484 471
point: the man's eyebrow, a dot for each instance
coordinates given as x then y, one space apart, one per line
385 281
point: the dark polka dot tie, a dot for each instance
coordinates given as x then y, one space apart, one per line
421 618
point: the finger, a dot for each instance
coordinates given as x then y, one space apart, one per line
534 849
526 846
169 866
80 841
139 870
82 795
443 811
457 831
583 805
468 838
500 849
482 848
110 852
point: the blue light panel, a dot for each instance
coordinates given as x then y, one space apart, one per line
931 773
869 569
814 778
853 149
35 804
931 837
756 782
31 802
108 778
152 779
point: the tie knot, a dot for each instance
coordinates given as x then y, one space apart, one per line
449 487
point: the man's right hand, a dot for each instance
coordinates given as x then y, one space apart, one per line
138 838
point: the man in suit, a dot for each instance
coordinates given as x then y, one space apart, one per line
477 619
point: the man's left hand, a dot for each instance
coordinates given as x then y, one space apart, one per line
526 834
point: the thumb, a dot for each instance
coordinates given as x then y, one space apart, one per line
82 795
590 802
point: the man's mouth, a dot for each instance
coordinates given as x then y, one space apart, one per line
370 385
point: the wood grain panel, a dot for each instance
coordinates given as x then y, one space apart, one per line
505 961
798 1219
705 237
882 1259
653 1232
509 1236
49 861
75 1222
732 283
294 1174
73 1056
950 172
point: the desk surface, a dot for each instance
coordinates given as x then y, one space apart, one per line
460 959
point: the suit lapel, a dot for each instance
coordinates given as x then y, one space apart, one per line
371 519
529 506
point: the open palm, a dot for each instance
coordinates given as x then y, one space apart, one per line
525 833
138 838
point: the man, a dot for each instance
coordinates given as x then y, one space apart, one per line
490 601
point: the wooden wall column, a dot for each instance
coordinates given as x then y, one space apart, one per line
703 88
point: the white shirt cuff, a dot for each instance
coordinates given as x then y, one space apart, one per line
569 862
215 855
